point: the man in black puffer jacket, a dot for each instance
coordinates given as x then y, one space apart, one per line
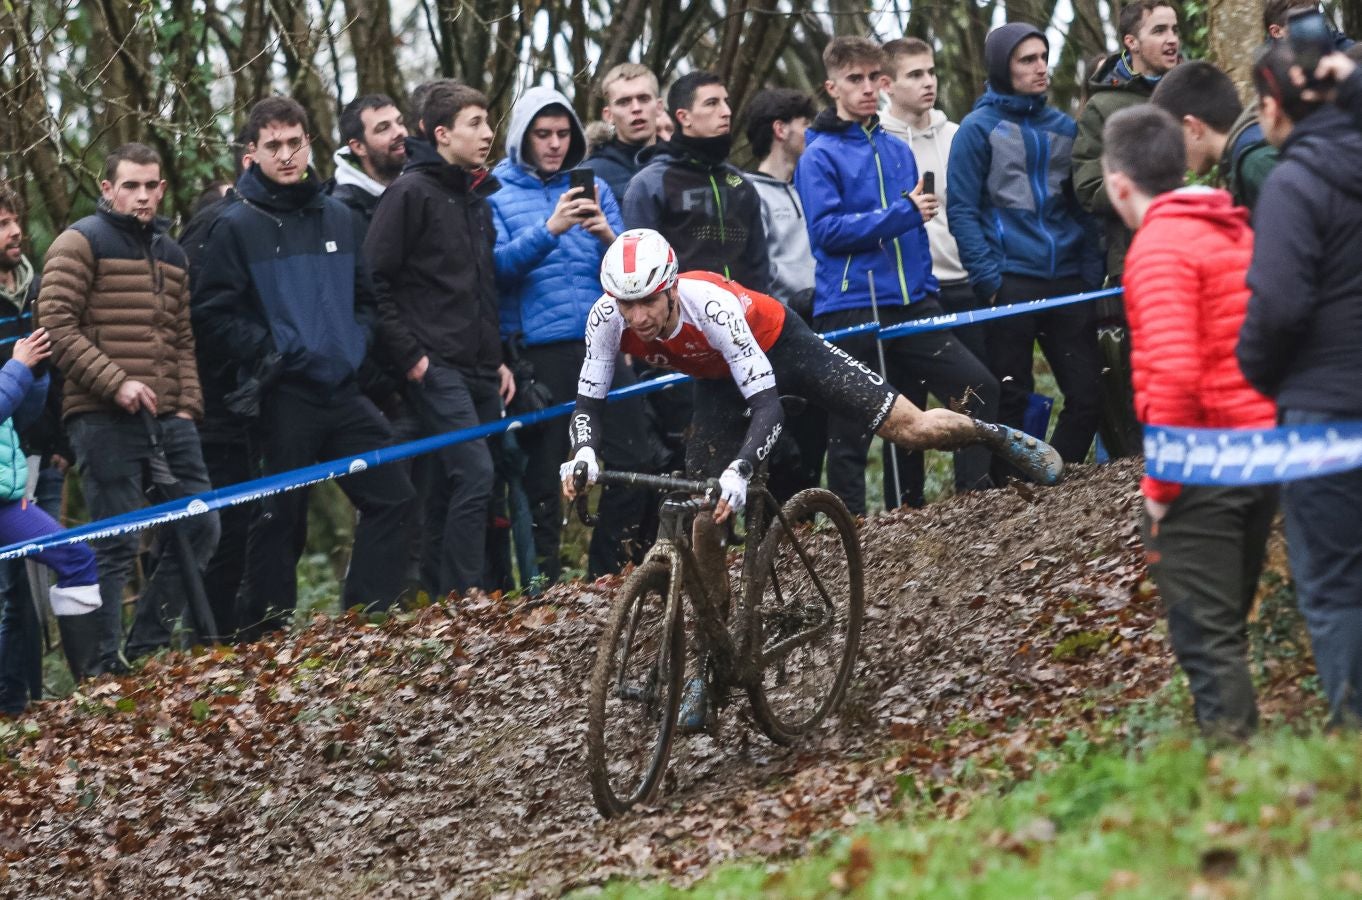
694 197
1301 343
285 300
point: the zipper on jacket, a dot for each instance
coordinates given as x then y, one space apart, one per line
884 204
845 270
723 232
1038 182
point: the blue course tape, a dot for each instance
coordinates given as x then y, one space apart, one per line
248 491
1251 456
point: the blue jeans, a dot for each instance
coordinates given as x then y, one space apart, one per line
112 450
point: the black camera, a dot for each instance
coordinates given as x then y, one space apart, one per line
1311 39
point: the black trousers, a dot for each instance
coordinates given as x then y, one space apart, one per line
628 446
1068 338
299 427
935 362
1206 555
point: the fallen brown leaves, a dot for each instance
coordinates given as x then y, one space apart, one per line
443 753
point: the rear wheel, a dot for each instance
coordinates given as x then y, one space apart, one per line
809 607
635 692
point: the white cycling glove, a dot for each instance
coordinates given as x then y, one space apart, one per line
733 484
586 455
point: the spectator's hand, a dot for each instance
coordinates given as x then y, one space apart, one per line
134 395
1156 509
572 208
33 348
418 371
507 389
597 224
927 204
1332 71
60 463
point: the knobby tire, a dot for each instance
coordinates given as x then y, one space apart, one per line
791 616
638 628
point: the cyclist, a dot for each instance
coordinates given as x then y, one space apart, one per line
739 345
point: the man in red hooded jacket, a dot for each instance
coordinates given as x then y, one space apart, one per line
1185 297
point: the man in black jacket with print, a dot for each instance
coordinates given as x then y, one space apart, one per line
430 246
286 301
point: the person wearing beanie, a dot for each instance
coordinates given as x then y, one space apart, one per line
1022 234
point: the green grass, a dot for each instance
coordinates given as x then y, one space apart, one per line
1279 818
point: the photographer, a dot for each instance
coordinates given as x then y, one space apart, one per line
1301 343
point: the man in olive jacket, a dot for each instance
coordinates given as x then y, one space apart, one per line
1152 47
115 299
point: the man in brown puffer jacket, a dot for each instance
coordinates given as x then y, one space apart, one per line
115 299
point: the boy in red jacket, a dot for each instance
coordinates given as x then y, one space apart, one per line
1185 298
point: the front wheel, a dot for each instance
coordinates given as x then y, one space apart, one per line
809 604
635 691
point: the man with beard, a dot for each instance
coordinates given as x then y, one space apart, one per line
285 301
431 248
115 299
374 136
632 109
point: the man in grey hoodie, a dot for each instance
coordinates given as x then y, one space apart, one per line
912 116
776 121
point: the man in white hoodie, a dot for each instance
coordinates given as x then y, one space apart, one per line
371 155
910 88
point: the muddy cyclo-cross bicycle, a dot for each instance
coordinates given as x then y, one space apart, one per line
789 644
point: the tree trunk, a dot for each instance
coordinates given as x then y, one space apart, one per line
372 46
1236 31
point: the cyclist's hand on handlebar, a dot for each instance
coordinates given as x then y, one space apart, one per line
568 472
732 492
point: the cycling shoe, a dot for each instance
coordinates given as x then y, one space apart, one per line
1035 458
692 715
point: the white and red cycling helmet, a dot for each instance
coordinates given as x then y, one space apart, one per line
638 265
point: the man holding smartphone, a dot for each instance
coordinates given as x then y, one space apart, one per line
867 215
553 225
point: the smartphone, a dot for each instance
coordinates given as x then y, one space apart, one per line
584 179
1311 39
929 182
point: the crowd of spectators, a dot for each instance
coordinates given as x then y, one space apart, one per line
427 287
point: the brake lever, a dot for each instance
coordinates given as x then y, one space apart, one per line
579 503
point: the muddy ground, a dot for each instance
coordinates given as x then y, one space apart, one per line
442 754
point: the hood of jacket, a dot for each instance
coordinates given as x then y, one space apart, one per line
1114 74
23 277
1211 206
347 172
422 157
829 122
617 151
998 47
530 105
260 191
1328 143
1016 104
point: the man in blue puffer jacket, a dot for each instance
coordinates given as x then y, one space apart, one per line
550 242
1022 235
867 212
